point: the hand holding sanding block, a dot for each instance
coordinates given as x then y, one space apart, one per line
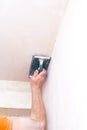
39 62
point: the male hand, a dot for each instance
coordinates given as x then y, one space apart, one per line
38 79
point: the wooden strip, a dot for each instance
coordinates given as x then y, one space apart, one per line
14 112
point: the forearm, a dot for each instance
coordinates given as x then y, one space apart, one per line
38 110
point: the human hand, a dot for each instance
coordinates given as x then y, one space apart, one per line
38 79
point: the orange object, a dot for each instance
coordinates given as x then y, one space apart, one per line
5 123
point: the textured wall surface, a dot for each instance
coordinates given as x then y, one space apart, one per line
26 28
66 91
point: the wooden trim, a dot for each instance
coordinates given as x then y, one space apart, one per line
14 112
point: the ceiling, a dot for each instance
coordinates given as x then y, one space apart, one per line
26 28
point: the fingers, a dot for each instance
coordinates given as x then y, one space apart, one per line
38 79
35 73
42 73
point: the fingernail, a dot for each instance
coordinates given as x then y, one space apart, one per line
36 71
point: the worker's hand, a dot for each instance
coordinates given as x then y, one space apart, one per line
38 79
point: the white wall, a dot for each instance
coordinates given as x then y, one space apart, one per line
66 90
14 94
27 27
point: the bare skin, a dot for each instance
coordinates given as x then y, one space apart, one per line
38 110
37 120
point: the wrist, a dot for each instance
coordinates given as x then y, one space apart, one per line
36 89
36 92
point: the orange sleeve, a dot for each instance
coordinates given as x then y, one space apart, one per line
5 123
